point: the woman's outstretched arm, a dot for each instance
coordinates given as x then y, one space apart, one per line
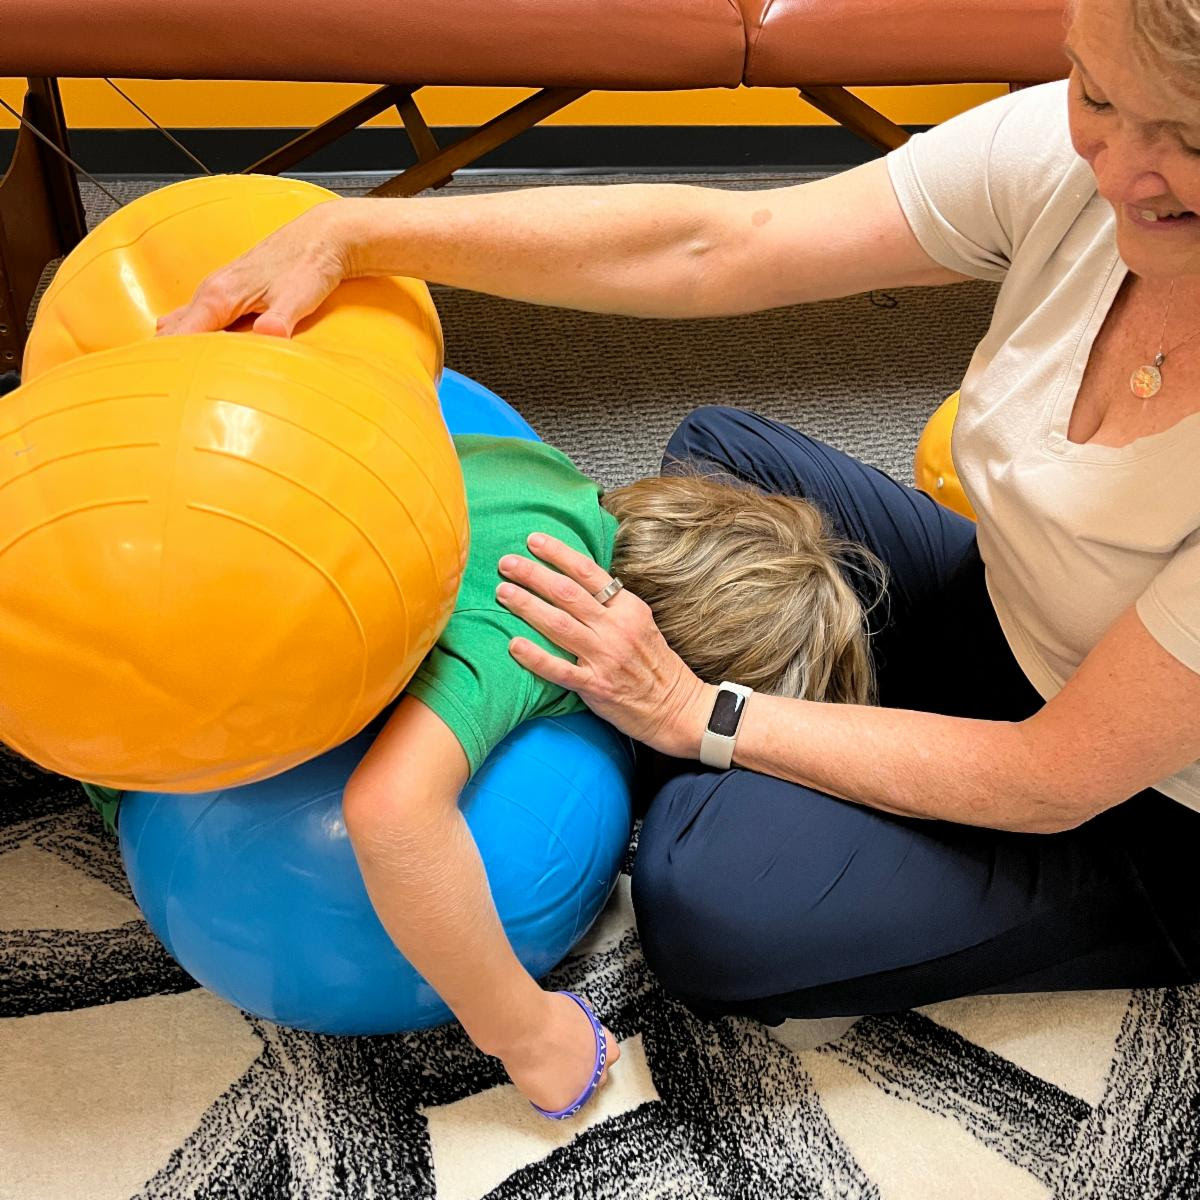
646 250
1126 719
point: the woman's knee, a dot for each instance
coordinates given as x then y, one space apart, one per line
700 437
678 919
713 961
748 887
711 925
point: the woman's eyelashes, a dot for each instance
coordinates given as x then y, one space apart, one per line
1105 106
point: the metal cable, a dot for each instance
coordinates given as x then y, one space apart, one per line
170 138
87 175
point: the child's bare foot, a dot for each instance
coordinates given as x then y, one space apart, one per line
553 1070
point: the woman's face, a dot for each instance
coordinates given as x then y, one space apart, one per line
1141 135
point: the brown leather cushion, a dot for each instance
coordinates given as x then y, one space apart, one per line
903 41
619 44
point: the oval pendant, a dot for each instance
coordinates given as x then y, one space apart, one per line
1145 382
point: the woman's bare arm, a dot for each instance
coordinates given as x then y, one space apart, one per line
653 250
1127 718
646 250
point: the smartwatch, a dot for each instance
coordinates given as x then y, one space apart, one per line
716 746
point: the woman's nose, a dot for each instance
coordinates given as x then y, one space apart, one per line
1127 168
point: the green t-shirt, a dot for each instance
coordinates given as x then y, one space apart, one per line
469 679
514 487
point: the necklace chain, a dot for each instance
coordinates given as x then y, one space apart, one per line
1146 381
1161 352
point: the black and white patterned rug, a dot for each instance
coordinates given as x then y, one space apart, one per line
119 1078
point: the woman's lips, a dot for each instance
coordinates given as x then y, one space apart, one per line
1160 224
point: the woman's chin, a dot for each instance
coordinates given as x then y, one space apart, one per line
1150 260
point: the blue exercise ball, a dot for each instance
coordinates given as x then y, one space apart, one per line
256 893
255 890
468 407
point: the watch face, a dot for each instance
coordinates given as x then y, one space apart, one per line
726 713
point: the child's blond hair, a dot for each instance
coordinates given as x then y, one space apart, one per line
746 586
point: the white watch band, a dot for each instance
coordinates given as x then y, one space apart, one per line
716 750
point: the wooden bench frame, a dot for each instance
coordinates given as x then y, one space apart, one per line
42 217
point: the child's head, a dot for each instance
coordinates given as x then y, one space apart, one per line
746 586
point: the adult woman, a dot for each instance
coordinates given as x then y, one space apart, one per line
1019 811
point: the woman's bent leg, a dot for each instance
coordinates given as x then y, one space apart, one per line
920 541
758 897
935 641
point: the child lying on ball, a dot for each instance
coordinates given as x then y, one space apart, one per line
682 543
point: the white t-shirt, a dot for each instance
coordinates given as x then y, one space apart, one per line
1070 534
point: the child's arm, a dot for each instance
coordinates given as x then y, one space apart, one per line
428 885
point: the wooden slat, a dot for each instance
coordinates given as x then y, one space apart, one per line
856 115
487 137
423 142
316 139
419 133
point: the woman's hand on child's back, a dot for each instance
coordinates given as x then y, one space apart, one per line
624 671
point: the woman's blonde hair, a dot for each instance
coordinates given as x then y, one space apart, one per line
746 586
1166 33
1170 31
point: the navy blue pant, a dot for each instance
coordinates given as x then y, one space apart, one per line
763 898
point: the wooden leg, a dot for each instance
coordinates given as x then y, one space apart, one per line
316 139
496 132
419 133
41 214
435 164
856 115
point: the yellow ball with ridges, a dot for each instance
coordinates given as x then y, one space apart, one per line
220 554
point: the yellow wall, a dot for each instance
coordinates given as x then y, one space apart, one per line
91 103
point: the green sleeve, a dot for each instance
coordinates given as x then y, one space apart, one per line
106 801
470 680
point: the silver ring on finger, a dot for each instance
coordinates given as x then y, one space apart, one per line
606 593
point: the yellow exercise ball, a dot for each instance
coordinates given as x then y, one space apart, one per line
148 258
221 554
933 467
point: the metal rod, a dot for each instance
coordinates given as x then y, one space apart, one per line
170 138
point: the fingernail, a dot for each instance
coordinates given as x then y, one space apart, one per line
536 539
508 563
505 591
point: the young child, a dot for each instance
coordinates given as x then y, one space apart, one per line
794 627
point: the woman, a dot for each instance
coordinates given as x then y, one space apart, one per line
1020 810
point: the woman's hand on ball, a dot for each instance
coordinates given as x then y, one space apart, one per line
283 279
624 670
